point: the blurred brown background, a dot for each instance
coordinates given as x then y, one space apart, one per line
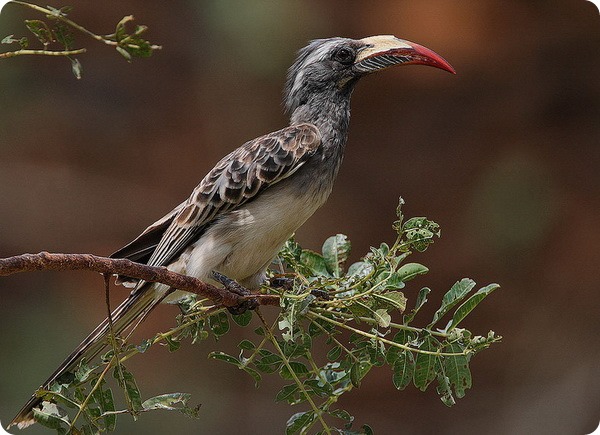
505 156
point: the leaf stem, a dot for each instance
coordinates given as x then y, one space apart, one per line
392 324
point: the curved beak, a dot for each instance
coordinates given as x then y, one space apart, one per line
383 51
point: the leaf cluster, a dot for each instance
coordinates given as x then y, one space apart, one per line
337 322
55 34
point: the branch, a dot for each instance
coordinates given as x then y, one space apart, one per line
42 53
117 266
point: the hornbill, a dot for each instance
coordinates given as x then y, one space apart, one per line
242 212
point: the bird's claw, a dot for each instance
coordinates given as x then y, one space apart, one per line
234 287
282 282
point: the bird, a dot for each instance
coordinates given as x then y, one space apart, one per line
243 211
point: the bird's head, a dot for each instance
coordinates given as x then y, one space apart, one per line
328 68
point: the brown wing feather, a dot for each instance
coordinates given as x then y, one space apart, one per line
235 179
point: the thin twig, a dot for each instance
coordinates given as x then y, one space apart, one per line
61 18
42 52
312 315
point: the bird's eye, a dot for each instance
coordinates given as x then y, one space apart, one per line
344 55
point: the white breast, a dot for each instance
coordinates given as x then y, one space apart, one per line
242 243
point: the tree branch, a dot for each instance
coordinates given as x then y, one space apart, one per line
117 266
42 52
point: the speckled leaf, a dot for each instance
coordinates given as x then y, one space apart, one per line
457 370
457 292
425 364
336 250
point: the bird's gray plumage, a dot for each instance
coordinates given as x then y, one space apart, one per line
238 217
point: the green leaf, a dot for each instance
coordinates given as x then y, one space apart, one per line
173 402
336 250
63 35
457 370
167 401
242 319
331 375
457 293
219 324
8 39
286 324
298 368
76 67
56 395
294 349
41 31
269 362
87 429
404 370
287 393
367 429
246 345
410 271
318 387
84 371
120 32
362 309
403 337
172 343
51 417
107 404
128 384
124 53
315 263
334 353
419 232
382 317
425 364
144 346
360 270
298 422
393 300
444 390
222 356
395 281
341 414
469 305
24 42
255 375
421 300
358 371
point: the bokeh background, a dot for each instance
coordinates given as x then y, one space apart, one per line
505 156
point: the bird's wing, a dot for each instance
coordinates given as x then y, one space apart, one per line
235 180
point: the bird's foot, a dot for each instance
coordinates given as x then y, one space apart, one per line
282 282
321 294
234 287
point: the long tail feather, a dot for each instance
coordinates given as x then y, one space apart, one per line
135 308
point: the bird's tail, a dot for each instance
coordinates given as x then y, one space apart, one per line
134 309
